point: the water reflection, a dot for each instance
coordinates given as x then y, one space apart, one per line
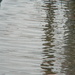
48 58
32 28
20 37
69 63
59 49
53 50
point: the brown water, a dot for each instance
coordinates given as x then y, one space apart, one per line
37 37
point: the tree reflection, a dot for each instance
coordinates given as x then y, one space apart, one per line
69 64
54 38
48 38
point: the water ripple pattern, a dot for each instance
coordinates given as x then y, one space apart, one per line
37 37
20 37
58 50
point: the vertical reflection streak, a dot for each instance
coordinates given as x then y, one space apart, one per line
54 37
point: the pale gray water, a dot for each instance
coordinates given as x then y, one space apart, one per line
20 37
37 37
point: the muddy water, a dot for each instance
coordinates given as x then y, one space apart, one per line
37 37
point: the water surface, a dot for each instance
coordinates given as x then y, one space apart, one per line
37 37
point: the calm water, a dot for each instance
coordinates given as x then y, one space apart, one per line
37 37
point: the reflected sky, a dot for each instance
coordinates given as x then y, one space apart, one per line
20 37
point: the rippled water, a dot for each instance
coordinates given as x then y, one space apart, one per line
37 37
